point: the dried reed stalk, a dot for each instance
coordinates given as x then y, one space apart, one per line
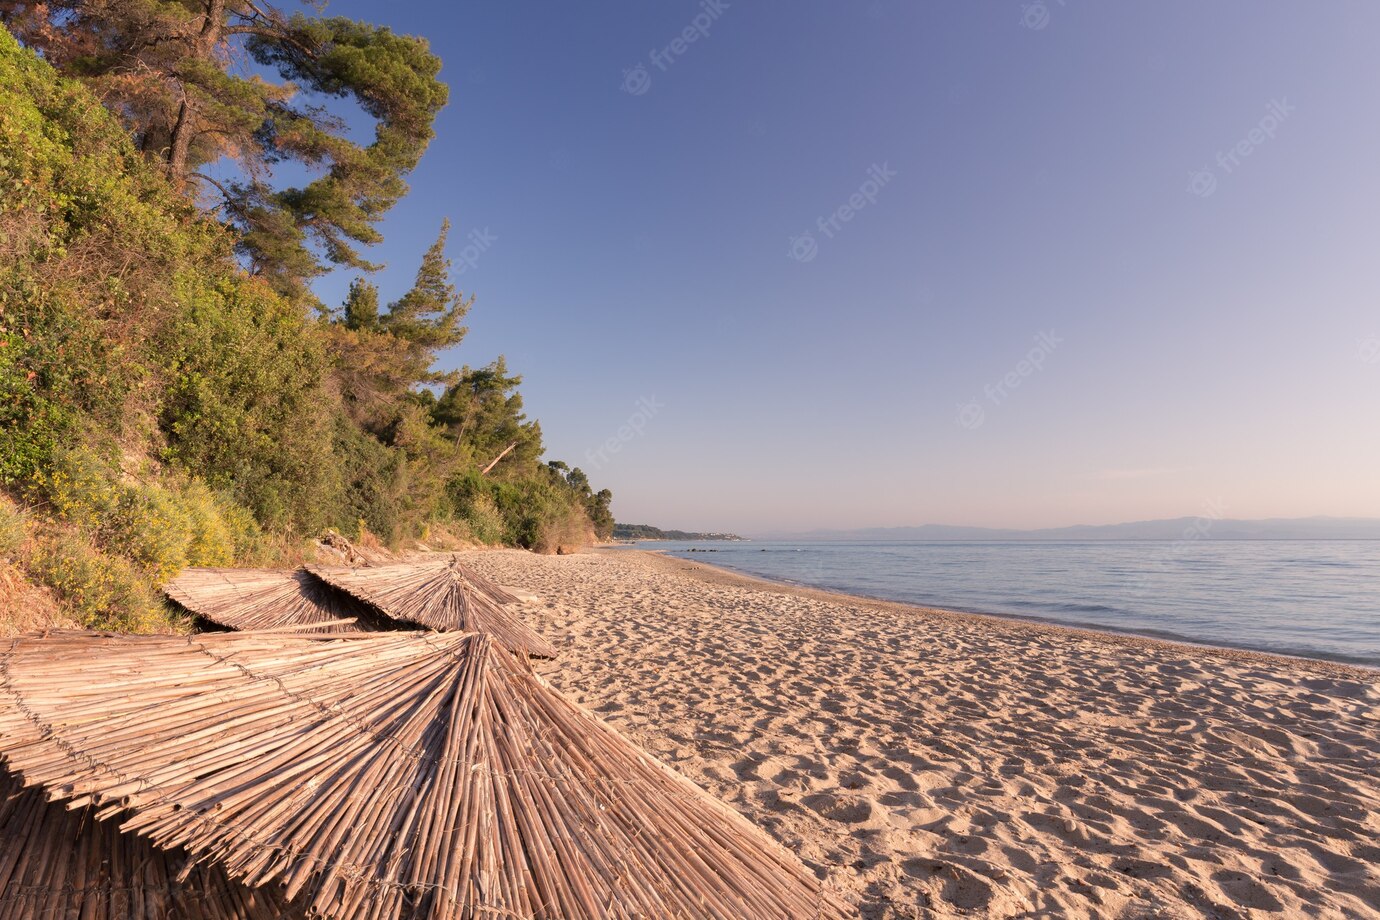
442 595
381 776
56 863
268 598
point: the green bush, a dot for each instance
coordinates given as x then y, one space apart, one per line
100 590
78 488
535 511
373 480
124 316
89 237
210 538
484 521
161 524
223 532
243 402
144 523
244 422
150 527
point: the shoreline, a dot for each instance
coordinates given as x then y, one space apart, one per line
933 763
1352 669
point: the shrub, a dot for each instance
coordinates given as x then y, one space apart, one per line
243 401
161 524
211 538
484 521
373 478
13 528
150 527
99 590
248 542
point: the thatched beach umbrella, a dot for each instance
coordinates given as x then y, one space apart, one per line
58 863
442 595
382 776
490 589
268 599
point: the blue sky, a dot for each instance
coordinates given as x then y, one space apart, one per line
1169 212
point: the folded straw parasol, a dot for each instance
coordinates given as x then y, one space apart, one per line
268 599
59 863
382 776
490 589
442 595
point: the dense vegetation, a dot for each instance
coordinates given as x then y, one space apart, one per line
648 532
171 393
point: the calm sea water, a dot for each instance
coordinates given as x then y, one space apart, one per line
1319 599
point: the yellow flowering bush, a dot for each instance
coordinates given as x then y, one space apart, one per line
100 590
126 537
12 529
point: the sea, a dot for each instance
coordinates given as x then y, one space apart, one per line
1310 598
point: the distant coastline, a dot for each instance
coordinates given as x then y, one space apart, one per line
639 532
1207 527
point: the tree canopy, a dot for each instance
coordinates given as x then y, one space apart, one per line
383 357
160 406
207 84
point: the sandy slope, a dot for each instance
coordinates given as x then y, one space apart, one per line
949 765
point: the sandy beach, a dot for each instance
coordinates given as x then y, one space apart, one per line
940 764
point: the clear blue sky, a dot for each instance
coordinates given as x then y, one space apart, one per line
1182 196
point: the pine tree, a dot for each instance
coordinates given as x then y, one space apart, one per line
384 359
165 67
362 306
482 411
429 315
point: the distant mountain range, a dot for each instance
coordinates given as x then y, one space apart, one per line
1185 528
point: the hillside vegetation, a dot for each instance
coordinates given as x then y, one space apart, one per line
648 532
163 404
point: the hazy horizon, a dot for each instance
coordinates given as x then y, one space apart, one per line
1199 526
886 264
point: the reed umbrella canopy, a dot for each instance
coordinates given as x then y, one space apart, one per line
443 595
268 599
59 863
382 776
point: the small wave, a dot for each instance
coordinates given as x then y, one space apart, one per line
1067 607
1318 601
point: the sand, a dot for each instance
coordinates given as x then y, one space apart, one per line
935 764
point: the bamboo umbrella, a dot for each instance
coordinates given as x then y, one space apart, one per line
490 589
383 776
268 598
442 595
58 863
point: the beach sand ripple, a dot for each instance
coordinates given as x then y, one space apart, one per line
936 764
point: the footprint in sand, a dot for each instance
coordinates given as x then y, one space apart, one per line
845 809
